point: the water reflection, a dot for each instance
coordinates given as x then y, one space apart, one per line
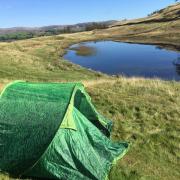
84 50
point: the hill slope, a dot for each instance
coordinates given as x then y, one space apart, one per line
19 33
169 13
162 28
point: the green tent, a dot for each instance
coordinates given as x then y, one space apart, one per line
52 130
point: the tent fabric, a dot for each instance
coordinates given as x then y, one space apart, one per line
52 130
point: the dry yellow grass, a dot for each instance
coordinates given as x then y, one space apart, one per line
41 59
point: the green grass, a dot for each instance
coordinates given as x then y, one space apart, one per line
40 59
145 112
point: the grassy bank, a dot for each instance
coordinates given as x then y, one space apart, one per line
40 59
146 113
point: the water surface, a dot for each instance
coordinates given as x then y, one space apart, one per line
116 58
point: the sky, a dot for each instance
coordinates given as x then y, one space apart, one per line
34 13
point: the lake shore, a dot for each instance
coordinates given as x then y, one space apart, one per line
128 59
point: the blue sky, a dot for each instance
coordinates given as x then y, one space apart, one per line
50 12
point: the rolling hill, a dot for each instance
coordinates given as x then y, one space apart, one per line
161 27
19 33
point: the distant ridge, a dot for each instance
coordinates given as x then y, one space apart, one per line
75 27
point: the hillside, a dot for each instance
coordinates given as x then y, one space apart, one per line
161 28
41 59
19 33
164 15
76 27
